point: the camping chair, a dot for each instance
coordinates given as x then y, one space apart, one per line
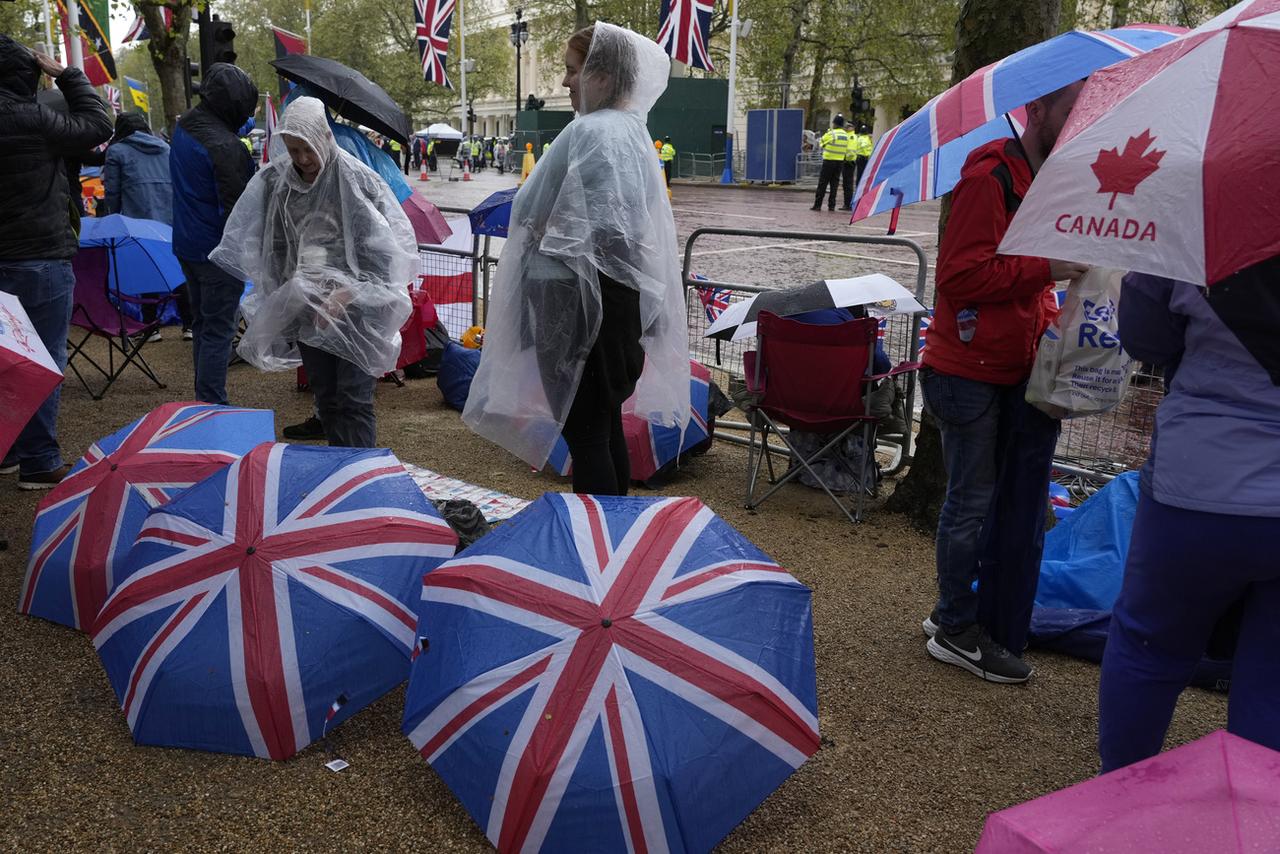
99 310
813 378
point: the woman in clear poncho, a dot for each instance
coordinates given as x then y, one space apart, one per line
331 255
588 292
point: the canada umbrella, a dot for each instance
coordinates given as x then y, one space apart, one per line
347 92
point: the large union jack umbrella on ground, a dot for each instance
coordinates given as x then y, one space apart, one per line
267 596
86 525
433 18
651 446
684 28
613 674
921 158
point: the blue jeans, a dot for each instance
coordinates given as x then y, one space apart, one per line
45 290
1185 569
215 296
998 451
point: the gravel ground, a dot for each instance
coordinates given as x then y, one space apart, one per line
915 754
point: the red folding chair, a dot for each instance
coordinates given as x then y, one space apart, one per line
815 378
98 309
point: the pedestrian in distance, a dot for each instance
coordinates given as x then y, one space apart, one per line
588 289
990 312
39 236
855 160
835 147
210 169
331 253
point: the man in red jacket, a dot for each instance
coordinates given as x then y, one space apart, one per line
989 313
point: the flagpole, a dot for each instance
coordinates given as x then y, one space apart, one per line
48 30
727 176
73 21
307 6
462 64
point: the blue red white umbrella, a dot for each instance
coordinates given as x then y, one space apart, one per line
493 215
613 674
651 446
264 595
921 157
86 524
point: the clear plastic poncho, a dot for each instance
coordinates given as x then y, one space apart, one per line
595 205
331 261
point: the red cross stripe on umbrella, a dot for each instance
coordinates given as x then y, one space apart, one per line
615 624
260 560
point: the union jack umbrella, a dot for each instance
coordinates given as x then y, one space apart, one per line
85 526
262 596
684 28
1170 163
433 18
651 447
613 674
921 158
28 374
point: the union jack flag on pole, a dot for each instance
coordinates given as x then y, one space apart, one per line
113 99
636 676
262 593
433 19
684 31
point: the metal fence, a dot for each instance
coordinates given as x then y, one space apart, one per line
708 167
456 279
808 167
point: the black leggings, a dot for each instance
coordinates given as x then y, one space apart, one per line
593 432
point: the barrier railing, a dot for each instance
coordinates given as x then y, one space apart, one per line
699 167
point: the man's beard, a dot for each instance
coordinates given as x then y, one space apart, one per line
1045 140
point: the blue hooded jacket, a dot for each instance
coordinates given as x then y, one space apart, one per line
135 178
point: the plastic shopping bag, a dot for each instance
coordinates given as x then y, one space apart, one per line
1081 369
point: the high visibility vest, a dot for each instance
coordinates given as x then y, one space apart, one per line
862 145
835 144
395 146
475 149
431 147
545 147
668 153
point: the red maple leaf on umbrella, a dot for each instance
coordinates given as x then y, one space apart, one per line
1122 173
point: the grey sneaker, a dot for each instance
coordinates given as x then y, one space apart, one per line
976 652
931 624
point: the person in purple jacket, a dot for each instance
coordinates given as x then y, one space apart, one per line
1207 529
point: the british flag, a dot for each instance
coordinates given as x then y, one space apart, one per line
113 98
613 674
433 19
714 301
261 594
684 30
86 524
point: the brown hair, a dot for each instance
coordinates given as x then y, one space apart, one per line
580 42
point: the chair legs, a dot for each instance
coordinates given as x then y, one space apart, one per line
130 353
754 460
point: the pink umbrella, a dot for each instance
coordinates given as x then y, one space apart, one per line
27 373
428 223
1170 164
1219 793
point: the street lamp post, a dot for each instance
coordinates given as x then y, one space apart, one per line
519 35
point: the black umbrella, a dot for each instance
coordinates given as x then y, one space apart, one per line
347 92
739 320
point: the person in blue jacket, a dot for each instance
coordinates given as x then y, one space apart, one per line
210 168
1208 519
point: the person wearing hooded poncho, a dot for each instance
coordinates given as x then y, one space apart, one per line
331 255
588 290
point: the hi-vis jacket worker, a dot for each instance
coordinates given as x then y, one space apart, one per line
667 155
855 160
835 146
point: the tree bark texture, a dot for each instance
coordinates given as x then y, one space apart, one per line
168 51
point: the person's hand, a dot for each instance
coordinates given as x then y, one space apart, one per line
48 65
1066 271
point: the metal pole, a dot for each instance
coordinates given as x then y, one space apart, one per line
73 21
307 6
462 64
47 18
727 177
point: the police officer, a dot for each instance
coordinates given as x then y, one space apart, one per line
667 155
835 146
855 161
863 147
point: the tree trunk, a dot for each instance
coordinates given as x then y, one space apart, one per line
789 56
1119 13
987 31
815 86
581 15
168 51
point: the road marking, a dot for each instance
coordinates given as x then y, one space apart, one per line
800 247
720 213
756 248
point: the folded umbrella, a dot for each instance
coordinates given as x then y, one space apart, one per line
347 92
27 373
271 601
429 225
1170 163
881 294
613 674
141 252
493 215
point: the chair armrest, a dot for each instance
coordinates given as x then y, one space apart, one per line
749 369
904 368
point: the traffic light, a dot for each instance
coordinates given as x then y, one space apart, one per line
471 116
858 103
217 42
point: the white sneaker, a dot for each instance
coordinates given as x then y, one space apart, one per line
188 335
154 337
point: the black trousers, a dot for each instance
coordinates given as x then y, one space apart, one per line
666 170
846 180
344 398
593 432
829 177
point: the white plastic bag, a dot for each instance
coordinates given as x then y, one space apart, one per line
1080 368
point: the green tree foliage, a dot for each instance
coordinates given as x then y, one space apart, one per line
21 22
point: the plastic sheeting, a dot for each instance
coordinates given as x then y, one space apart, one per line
593 206
331 259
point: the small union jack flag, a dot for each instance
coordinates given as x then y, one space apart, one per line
714 301
635 676
433 19
684 28
113 98
265 591
925 323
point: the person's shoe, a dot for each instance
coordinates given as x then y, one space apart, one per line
154 337
973 650
309 430
830 209
9 468
187 334
44 479
931 624
816 208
